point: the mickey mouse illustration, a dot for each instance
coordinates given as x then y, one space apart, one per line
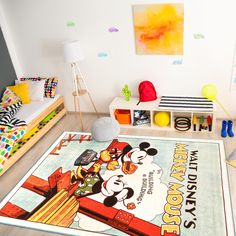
114 190
131 157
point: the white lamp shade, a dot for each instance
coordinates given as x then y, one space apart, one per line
73 52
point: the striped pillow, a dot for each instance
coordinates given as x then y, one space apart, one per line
7 121
6 114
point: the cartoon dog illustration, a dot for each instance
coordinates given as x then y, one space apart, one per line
114 190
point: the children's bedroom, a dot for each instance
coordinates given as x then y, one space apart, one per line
117 118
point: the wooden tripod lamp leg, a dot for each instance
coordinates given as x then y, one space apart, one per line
93 104
74 103
80 114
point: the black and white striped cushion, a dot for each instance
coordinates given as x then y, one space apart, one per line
14 123
186 103
7 114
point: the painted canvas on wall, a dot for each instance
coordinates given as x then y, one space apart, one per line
159 29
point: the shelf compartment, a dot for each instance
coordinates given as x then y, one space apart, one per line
123 116
203 119
141 118
182 121
161 119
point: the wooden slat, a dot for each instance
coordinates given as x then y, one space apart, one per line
42 115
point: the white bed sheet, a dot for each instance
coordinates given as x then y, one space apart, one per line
29 112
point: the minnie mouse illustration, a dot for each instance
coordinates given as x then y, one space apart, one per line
114 191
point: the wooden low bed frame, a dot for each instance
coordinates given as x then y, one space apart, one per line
57 106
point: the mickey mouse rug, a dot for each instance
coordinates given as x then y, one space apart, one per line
129 186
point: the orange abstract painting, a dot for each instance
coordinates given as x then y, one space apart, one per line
159 29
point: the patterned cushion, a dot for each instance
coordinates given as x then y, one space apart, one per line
22 91
6 114
7 142
9 98
49 86
7 121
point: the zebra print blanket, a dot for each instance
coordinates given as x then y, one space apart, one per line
7 116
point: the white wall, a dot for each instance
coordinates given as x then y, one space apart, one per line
38 29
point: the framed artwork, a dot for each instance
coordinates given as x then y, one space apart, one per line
159 29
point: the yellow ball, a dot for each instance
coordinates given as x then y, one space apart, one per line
209 91
162 118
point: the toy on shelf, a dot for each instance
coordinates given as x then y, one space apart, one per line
194 123
162 118
227 128
201 123
126 92
141 117
205 122
209 123
182 123
123 116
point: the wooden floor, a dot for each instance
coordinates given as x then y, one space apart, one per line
71 123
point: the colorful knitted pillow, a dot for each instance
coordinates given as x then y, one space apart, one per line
9 98
50 87
7 142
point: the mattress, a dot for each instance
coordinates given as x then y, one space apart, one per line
28 112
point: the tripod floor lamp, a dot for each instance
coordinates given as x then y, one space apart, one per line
73 54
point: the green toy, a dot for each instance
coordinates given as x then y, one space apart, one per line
126 92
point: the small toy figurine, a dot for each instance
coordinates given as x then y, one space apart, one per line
126 92
194 122
209 122
201 121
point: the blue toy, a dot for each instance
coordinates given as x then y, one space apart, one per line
227 128
223 129
230 128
